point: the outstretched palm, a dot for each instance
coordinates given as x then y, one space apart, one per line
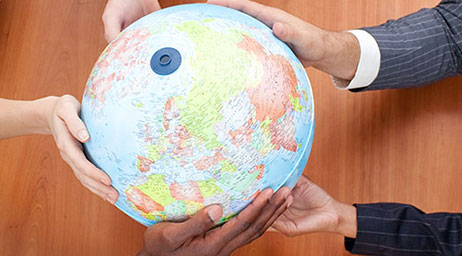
313 210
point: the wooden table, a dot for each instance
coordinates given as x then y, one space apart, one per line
399 145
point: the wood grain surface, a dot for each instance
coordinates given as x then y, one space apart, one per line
398 145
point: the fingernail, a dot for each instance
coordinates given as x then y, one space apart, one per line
111 198
83 135
214 213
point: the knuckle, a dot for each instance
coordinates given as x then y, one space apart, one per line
291 234
83 181
79 166
62 150
203 226
258 228
67 97
273 202
105 16
79 177
67 101
224 252
59 109
260 232
209 251
167 238
66 106
244 225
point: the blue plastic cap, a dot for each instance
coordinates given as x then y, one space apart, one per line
166 61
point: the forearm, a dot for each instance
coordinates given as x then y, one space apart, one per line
418 53
25 117
399 229
415 50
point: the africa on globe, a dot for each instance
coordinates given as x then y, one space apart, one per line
194 105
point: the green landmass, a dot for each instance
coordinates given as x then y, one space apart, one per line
220 68
157 189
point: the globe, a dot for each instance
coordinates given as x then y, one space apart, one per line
195 105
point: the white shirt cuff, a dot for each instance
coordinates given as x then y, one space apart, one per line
369 62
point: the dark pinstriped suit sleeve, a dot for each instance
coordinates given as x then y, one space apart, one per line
416 50
420 48
399 229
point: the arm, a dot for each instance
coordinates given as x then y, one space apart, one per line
57 116
399 229
415 50
372 229
420 48
336 53
25 117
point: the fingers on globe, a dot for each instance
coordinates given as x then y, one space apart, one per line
91 177
198 225
252 221
261 12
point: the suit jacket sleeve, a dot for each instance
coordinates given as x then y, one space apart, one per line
399 229
420 48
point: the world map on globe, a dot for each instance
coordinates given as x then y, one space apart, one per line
234 118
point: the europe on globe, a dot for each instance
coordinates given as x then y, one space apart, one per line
194 105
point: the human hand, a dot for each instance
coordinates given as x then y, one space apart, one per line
62 116
194 237
313 210
336 53
118 14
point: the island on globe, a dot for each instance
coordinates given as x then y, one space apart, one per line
195 105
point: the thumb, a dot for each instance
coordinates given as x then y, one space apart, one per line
112 25
150 6
68 109
202 222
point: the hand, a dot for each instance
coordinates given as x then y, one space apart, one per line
194 236
336 53
313 210
118 14
62 116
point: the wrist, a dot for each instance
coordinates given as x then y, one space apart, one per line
42 110
341 53
347 223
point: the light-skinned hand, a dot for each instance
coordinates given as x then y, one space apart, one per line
69 132
58 116
118 14
313 210
336 53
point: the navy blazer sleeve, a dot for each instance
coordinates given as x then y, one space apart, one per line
420 48
399 229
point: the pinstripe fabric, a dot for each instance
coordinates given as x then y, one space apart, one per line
416 50
398 229
420 48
